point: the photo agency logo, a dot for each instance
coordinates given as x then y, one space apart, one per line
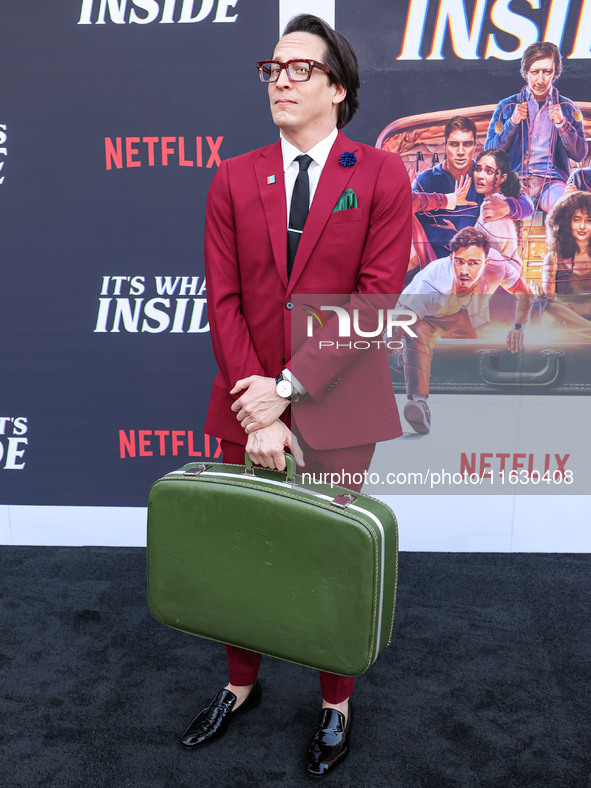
387 326
3 150
144 12
13 442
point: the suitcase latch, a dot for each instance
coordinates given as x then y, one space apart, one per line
203 466
344 500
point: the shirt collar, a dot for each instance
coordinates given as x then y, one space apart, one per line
318 153
530 96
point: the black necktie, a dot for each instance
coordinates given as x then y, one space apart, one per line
298 212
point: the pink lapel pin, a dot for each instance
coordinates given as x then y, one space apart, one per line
270 179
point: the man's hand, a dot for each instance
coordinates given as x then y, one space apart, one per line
519 113
266 446
260 405
515 340
494 208
462 188
555 113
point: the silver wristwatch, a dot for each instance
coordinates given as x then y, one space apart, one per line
285 388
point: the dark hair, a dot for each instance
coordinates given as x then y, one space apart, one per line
470 236
459 123
511 186
340 58
537 51
558 223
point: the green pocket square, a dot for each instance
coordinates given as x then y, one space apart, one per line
347 200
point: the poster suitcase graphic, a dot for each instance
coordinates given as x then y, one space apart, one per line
475 366
305 572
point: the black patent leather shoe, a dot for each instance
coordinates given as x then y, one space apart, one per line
330 743
213 721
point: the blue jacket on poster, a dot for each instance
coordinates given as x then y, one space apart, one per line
441 225
568 142
581 179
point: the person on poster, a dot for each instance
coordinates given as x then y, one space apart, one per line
450 297
566 277
445 199
539 128
493 176
313 213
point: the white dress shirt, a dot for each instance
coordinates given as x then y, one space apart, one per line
318 154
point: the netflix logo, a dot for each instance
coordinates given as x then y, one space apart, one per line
130 152
485 463
168 443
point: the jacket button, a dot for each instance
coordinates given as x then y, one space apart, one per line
290 305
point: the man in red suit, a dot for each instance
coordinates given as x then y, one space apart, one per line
314 213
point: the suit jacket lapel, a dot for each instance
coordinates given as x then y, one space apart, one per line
332 184
270 165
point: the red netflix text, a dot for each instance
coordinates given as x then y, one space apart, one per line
162 151
488 463
163 443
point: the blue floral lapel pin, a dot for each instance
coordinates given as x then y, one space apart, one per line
348 159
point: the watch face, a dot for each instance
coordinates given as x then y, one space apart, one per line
284 389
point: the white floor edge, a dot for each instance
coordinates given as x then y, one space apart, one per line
442 523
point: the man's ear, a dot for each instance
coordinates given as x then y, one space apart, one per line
339 94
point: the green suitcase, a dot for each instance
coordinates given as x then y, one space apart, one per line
258 559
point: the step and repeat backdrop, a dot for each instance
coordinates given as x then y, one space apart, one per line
114 116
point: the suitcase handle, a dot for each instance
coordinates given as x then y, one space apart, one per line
545 376
290 466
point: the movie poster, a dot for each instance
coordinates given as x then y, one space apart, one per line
114 117
499 362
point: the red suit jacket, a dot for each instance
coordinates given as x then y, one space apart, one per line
359 250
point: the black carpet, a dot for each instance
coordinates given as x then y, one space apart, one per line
486 683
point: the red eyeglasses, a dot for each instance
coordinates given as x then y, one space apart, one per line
297 70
